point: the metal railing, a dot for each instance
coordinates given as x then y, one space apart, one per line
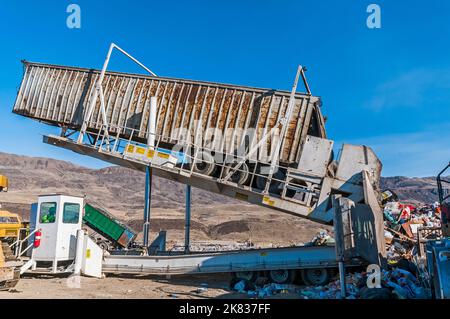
18 244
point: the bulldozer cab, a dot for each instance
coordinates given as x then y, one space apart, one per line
10 225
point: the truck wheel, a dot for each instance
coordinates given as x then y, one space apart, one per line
282 276
204 163
275 186
315 276
249 276
240 176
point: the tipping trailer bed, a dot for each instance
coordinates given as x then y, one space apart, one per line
59 95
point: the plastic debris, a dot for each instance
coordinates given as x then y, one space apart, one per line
240 286
396 283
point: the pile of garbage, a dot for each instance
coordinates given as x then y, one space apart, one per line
396 283
403 224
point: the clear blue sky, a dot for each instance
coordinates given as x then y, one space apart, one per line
388 88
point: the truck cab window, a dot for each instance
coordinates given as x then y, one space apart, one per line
48 213
71 213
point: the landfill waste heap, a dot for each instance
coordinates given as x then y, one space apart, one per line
405 277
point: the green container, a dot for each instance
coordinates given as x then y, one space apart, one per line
103 223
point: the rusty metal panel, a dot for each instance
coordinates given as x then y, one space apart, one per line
60 95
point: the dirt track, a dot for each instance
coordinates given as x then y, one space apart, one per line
126 287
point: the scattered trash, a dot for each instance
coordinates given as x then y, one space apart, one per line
402 225
240 286
396 283
212 247
203 288
323 238
388 196
264 291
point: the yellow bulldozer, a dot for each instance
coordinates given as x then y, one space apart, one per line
10 230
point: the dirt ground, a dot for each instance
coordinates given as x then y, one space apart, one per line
122 287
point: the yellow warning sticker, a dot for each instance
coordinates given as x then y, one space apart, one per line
150 153
88 253
268 201
163 155
130 148
140 150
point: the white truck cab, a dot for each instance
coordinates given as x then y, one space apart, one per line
59 217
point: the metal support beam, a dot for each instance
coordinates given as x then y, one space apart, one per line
187 226
341 266
340 243
147 204
98 91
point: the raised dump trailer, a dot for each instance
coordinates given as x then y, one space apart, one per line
99 220
226 116
279 155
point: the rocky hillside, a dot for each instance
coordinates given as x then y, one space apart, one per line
120 189
412 190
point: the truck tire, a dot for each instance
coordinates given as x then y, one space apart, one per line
240 176
275 186
249 276
316 276
282 276
204 163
